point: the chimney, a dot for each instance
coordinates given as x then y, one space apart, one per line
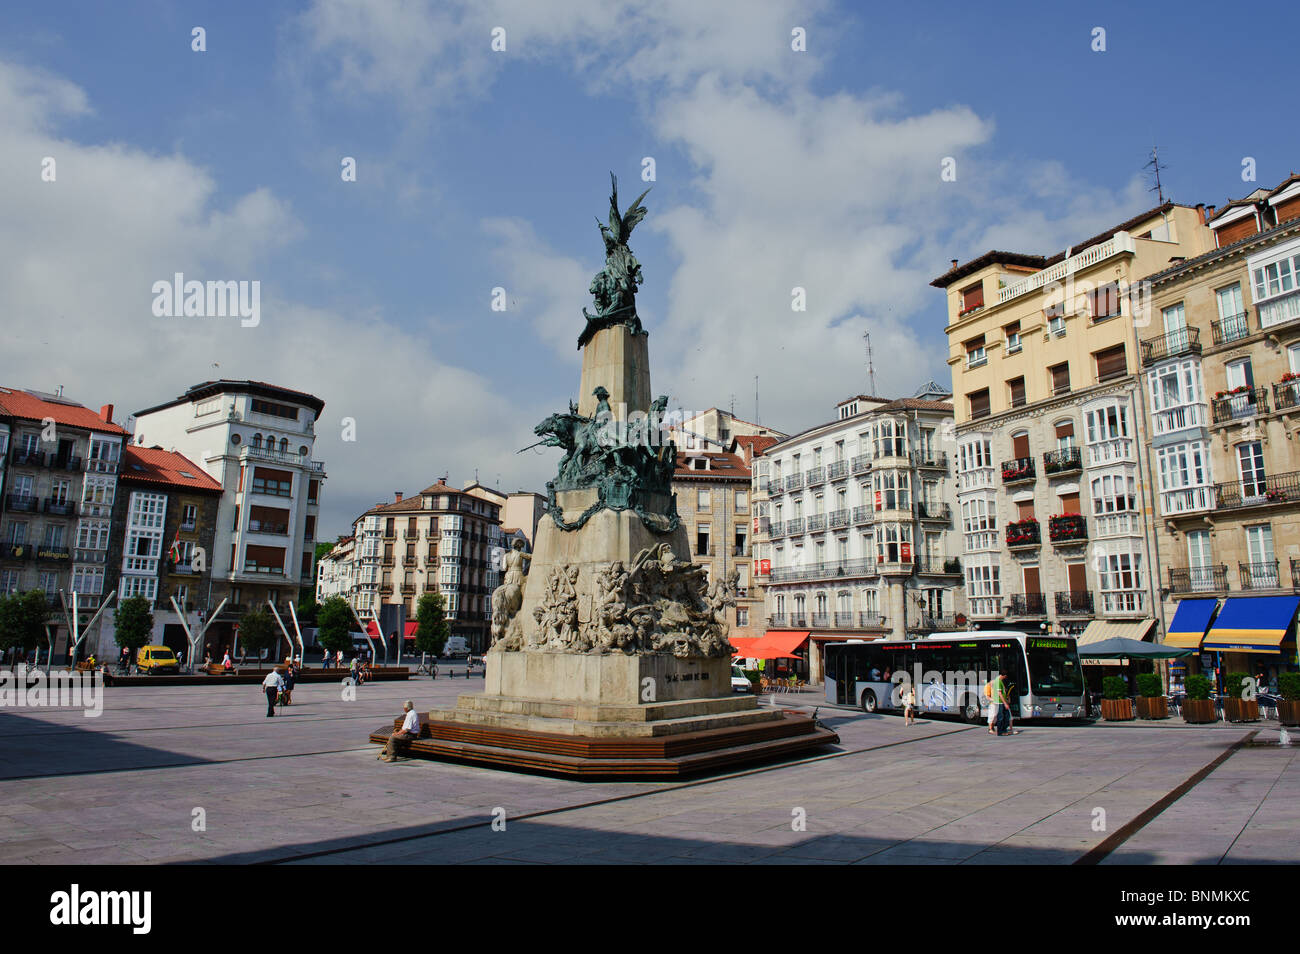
106 412
397 496
954 263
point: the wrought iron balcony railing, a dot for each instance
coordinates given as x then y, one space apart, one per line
1259 576
1028 604
1023 533
1264 489
1231 328
1239 404
1171 345
1067 528
1020 469
837 469
861 464
1064 460
1199 579
1074 603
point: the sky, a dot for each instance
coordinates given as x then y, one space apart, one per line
481 168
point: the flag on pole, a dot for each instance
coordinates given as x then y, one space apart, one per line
176 546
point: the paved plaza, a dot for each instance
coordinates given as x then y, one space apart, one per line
305 787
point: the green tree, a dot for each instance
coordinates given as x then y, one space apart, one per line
22 620
257 631
432 632
133 622
334 624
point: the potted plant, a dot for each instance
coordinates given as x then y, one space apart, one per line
1116 706
1236 707
1288 710
1151 701
1198 708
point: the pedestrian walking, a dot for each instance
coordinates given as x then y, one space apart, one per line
1003 689
410 730
272 685
990 693
290 677
353 671
909 706
226 664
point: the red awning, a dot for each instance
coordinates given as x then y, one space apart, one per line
372 628
743 645
411 627
778 644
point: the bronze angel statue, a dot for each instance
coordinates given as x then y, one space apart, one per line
614 287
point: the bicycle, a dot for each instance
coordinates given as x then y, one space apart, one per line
429 667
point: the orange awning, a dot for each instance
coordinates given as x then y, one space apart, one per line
743 645
779 644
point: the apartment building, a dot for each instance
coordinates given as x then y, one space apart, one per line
1221 362
336 571
255 439
60 482
1049 427
438 541
861 525
521 510
713 490
163 528
714 429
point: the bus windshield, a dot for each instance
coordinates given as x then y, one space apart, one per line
1054 669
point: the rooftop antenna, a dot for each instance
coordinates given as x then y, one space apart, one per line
871 368
757 419
733 405
1154 165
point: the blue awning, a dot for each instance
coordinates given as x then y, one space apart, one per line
1190 623
1252 624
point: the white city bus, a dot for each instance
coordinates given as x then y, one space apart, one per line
949 671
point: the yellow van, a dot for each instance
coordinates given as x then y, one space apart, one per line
157 659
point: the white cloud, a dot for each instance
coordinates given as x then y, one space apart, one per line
78 258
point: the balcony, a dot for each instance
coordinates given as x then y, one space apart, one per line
1231 328
66 463
1171 345
794 482
816 522
1117 244
26 458
1238 404
775 529
1286 394
1018 471
931 460
863 515
837 469
1259 576
262 526
936 512
100 465
837 519
1065 460
60 508
895 567
798 620
843 620
821 620
16 551
829 570
1027 604
794 526
861 464
1259 491
943 623
1074 603
1063 528
871 621
1199 579
20 503
1023 534
280 457
815 476
778 620
408 589
932 566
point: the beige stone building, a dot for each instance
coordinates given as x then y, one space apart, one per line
713 502
1221 364
1049 437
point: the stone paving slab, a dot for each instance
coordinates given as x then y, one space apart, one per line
305 787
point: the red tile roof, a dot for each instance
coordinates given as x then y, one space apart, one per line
721 466
29 407
153 465
755 444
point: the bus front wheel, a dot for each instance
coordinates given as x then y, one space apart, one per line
971 710
868 701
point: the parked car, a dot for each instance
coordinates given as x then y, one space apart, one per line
739 681
156 659
456 647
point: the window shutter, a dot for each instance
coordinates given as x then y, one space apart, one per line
979 403
1017 391
1020 446
1061 378
1111 363
1070 503
1065 430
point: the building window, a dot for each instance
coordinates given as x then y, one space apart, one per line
1060 376
1121 582
1185 479
972 297
976 356
1111 363
979 403
1277 297
1108 435
742 616
984 585
1177 397
1103 302
1232 314
1016 387
1012 332
703 500
702 540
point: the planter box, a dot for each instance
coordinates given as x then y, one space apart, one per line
1199 711
1241 710
1288 712
1153 707
1117 710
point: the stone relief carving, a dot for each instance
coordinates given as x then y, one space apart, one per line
658 604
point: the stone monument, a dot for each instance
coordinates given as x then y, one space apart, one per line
610 653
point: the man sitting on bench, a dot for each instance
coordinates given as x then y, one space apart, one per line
410 730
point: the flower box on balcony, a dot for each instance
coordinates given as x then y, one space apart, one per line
1239 389
1067 526
1290 376
1023 533
1276 496
1018 472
